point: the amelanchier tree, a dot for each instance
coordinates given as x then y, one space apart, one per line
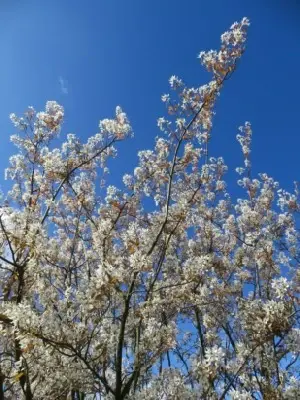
194 297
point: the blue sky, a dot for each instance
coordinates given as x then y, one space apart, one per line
91 56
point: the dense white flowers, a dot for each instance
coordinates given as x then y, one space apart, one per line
165 288
280 287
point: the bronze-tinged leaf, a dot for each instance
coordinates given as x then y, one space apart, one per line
18 376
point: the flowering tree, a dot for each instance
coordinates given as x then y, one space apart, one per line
194 297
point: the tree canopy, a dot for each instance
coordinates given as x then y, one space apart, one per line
167 288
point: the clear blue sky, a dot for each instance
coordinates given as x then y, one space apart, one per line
114 52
